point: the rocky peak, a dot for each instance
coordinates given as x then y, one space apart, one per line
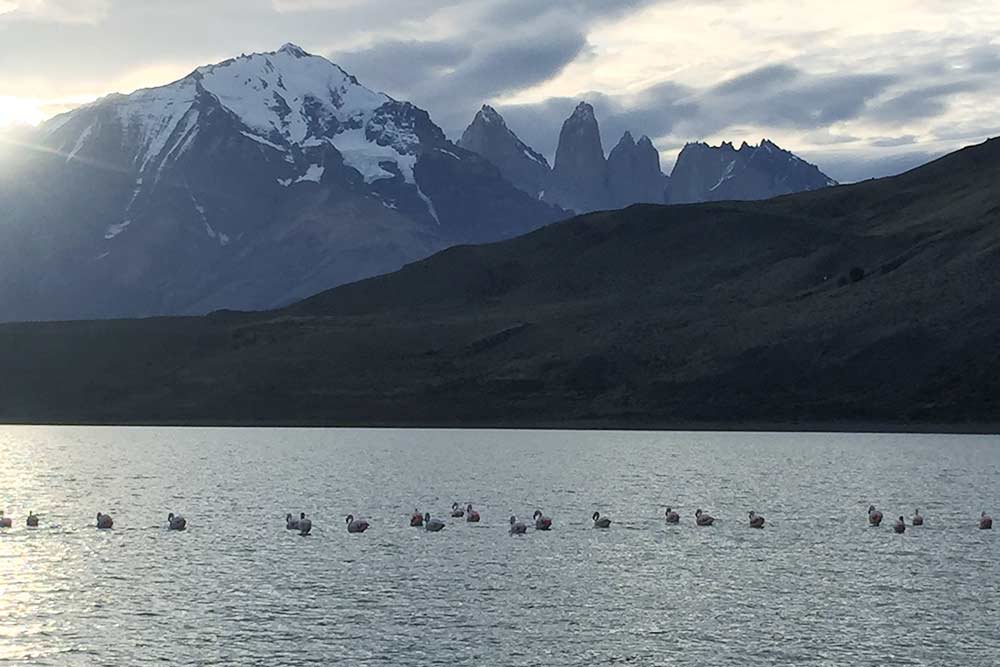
489 136
634 174
294 50
488 114
580 175
707 173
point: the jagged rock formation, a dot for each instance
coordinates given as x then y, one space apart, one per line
634 175
489 136
579 179
718 173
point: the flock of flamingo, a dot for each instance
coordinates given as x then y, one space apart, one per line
875 519
303 524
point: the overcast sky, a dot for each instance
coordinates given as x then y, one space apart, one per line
861 88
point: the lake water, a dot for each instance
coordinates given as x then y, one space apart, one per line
817 586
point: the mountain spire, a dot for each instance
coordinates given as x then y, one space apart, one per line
489 136
580 175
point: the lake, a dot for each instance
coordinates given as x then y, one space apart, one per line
817 586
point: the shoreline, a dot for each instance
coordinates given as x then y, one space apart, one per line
903 428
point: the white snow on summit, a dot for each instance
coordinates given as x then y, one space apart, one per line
285 98
287 101
277 93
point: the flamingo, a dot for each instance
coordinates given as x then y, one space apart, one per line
356 525
874 516
542 522
433 525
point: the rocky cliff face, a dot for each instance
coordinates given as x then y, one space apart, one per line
489 136
634 175
582 180
579 179
718 173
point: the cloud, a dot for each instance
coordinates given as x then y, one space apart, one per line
458 69
455 76
890 142
400 66
922 102
781 96
56 11
312 5
764 78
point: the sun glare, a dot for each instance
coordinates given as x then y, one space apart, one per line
20 111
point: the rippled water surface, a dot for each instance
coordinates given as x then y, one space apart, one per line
815 587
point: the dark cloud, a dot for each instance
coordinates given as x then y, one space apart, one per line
569 12
402 67
783 96
924 102
891 142
512 45
983 59
515 63
762 78
453 78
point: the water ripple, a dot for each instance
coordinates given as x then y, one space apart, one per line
816 587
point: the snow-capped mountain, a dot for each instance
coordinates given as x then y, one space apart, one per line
246 184
719 173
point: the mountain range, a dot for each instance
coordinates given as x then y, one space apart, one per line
870 305
583 180
263 179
